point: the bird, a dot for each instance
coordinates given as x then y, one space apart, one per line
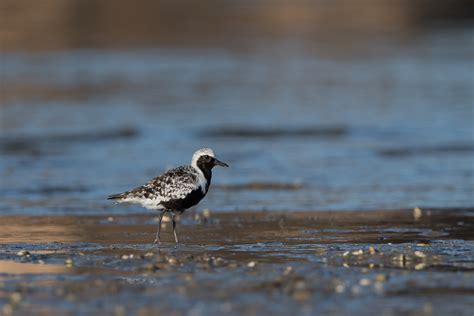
175 190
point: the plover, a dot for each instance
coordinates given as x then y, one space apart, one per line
175 190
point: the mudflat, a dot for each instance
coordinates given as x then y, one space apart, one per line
399 261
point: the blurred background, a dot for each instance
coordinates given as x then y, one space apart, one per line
316 105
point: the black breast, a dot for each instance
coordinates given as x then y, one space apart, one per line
191 199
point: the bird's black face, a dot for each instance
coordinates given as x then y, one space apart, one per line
207 162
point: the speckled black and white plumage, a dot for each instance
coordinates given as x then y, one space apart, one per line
173 185
176 190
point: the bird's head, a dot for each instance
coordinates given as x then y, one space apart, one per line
204 158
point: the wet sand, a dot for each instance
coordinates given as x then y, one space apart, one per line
391 262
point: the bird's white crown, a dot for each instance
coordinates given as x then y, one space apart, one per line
201 152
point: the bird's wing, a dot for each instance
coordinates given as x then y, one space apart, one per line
173 184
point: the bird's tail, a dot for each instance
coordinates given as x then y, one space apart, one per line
116 197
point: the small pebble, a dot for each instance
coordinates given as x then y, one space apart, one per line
69 263
206 213
420 266
125 257
372 250
251 264
378 287
420 254
365 282
172 261
423 244
358 252
110 219
345 254
15 298
197 218
218 261
380 277
288 270
340 288
417 213
23 253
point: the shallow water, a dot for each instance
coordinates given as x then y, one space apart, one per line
388 128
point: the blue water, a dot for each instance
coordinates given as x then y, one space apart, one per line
404 116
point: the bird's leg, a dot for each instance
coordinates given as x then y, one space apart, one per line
174 228
158 230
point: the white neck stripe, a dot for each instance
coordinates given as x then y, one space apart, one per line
202 179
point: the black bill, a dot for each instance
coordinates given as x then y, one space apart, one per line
217 162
